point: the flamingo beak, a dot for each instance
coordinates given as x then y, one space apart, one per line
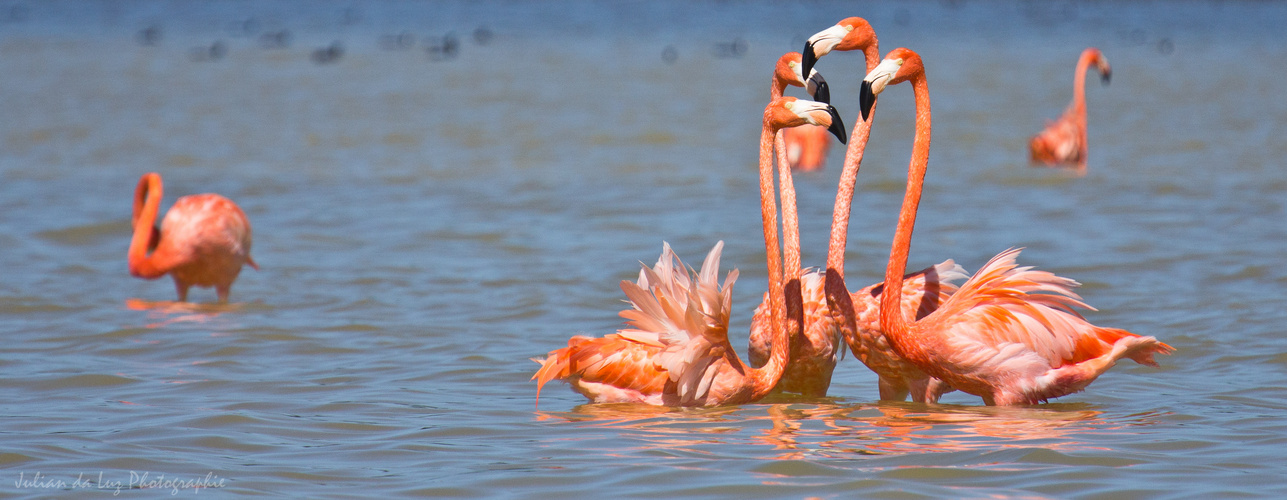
818 89
866 99
807 59
1106 76
837 127
820 44
875 82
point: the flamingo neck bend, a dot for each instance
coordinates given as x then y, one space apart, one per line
891 317
1078 105
766 377
147 202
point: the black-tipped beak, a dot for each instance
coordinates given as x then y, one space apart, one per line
807 59
866 99
823 93
837 127
1106 76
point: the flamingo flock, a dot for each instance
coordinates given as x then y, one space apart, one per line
1009 334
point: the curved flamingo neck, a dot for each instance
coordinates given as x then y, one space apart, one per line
1078 105
891 317
765 378
849 177
147 202
790 213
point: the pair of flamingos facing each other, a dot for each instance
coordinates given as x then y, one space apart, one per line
1009 335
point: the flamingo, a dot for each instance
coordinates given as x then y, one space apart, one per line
203 240
1010 334
806 147
677 352
830 312
1063 142
813 351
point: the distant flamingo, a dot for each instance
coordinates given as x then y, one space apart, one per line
806 147
830 312
678 353
1010 334
203 241
1063 142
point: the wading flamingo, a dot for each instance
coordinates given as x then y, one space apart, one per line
806 147
1063 142
813 350
678 353
834 313
203 241
1010 334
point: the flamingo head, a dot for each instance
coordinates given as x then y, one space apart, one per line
149 185
899 66
788 72
853 33
786 112
1101 64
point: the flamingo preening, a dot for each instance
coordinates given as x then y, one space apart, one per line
677 352
203 240
1010 334
1063 142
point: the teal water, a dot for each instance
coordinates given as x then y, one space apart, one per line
427 222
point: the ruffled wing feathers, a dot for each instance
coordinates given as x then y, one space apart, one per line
1004 305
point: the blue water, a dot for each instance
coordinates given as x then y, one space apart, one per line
428 219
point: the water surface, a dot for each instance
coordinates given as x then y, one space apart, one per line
428 220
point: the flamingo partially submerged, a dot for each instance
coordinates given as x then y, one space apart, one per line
1010 334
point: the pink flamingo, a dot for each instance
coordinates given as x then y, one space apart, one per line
678 353
1010 335
203 240
813 350
806 147
830 312
1063 142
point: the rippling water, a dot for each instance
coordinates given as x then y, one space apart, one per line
427 220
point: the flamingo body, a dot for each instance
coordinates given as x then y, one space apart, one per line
204 240
1011 335
815 354
674 353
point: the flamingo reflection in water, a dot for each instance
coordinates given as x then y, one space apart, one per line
811 431
165 313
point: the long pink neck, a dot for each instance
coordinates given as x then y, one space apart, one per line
147 202
891 317
765 378
849 177
1078 105
786 184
